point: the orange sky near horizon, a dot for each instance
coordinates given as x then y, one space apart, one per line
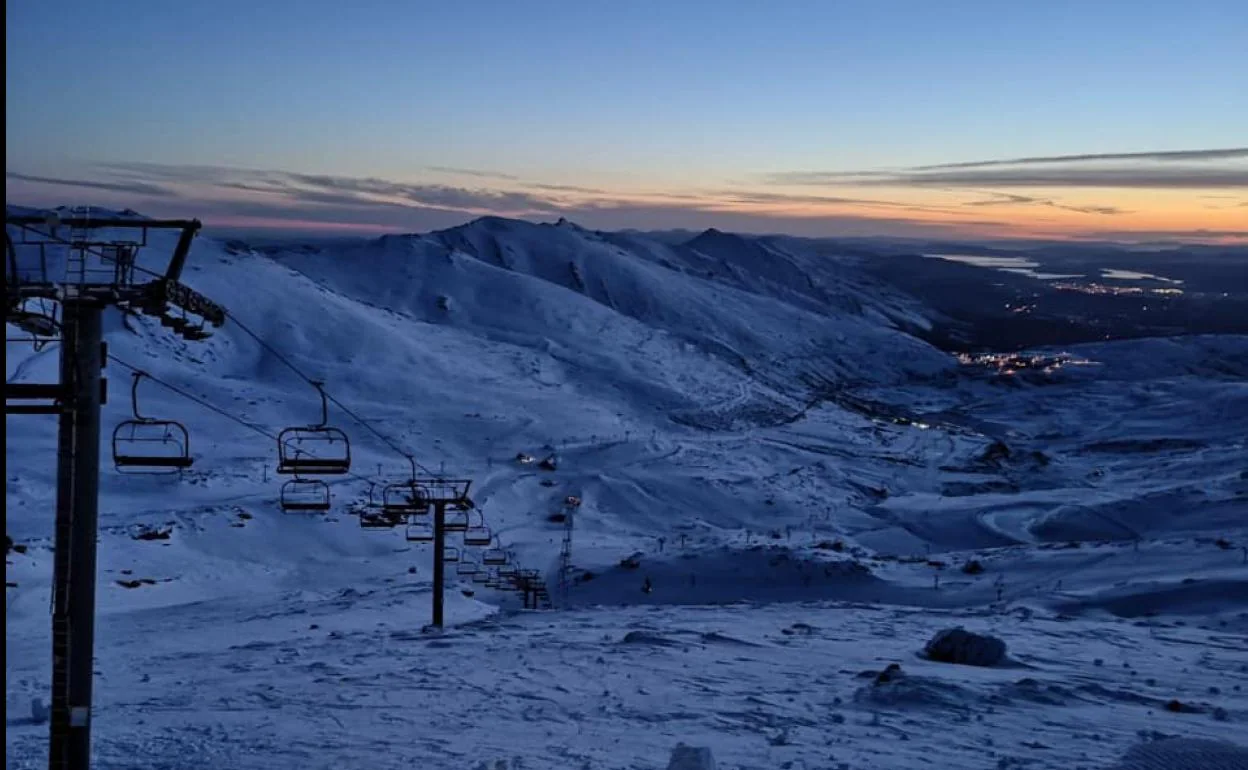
242 198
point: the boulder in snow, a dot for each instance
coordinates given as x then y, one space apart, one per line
957 645
691 758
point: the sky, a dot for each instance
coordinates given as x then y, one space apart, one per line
1112 119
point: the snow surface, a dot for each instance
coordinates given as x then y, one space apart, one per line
802 479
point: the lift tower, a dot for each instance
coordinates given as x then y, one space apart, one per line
445 495
63 269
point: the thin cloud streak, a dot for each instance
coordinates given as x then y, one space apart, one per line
1191 234
226 194
472 172
336 190
273 197
1010 199
568 188
1168 178
137 188
1175 169
739 196
1169 156
1159 178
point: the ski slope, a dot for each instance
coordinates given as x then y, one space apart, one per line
800 478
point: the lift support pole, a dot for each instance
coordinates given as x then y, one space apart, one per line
77 507
439 565
83 293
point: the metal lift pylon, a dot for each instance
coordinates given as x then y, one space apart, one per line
57 257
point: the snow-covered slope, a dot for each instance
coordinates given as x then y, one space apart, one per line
748 416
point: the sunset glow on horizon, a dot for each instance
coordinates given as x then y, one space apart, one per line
1123 121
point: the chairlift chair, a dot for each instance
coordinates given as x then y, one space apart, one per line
419 532
450 554
508 571
300 495
314 450
478 535
146 445
481 577
456 521
405 499
466 568
175 322
494 556
196 332
36 318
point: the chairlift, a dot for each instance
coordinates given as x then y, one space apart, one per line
450 554
146 445
185 327
405 499
493 579
482 576
456 521
478 535
419 532
507 571
494 556
466 568
300 495
314 450
529 578
177 323
34 318
195 332
37 324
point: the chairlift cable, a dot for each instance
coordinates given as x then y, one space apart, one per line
213 408
320 386
273 351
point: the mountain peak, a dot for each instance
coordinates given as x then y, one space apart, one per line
713 235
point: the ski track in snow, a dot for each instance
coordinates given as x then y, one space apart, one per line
746 402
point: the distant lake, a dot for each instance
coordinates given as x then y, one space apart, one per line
1132 275
1018 265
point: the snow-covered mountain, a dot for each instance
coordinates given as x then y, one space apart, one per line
743 420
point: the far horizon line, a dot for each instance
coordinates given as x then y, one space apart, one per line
368 232
305 231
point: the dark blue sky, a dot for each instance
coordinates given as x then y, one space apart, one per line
646 103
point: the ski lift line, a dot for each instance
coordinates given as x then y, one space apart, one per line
273 351
196 399
213 408
145 444
276 353
320 386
